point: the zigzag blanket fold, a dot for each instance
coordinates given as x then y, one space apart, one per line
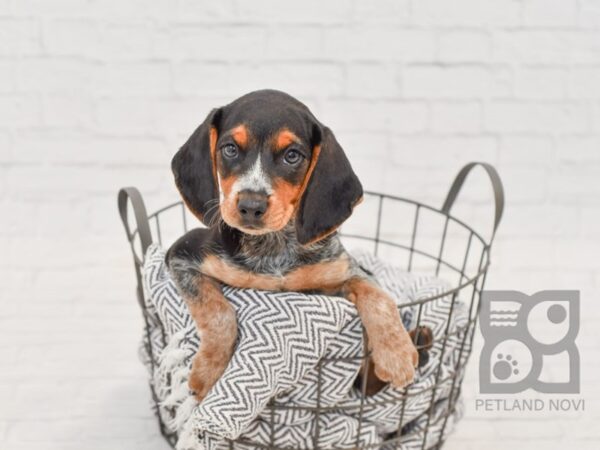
284 341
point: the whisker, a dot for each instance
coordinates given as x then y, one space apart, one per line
214 219
217 219
216 216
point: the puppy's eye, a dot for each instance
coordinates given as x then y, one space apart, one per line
229 151
293 157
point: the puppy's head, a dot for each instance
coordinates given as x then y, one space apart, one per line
262 161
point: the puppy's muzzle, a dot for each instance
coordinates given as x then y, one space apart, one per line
251 207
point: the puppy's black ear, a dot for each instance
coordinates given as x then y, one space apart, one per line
195 169
331 192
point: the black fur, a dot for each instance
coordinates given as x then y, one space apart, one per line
309 237
333 188
332 192
192 167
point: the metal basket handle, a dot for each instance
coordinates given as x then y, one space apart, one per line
141 217
143 229
496 186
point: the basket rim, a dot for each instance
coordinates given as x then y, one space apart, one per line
454 290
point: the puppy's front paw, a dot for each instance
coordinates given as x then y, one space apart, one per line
199 386
396 363
204 375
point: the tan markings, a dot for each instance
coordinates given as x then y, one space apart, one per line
227 184
393 353
313 162
234 276
228 205
291 195
282 204
216 322
284 138
321 276
241 136
324 276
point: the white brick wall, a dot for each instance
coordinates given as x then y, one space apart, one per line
98 94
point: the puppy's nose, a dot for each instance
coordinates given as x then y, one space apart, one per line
252 205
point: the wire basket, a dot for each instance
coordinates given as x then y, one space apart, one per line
414 236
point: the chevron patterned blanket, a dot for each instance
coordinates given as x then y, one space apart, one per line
286 341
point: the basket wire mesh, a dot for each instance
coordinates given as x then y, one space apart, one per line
425 250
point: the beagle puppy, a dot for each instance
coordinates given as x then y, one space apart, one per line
272 185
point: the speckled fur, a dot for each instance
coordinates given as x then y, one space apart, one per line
280 252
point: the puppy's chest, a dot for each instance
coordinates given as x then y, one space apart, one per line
274 262
275 258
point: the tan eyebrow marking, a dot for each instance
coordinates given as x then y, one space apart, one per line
240 135
284 138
